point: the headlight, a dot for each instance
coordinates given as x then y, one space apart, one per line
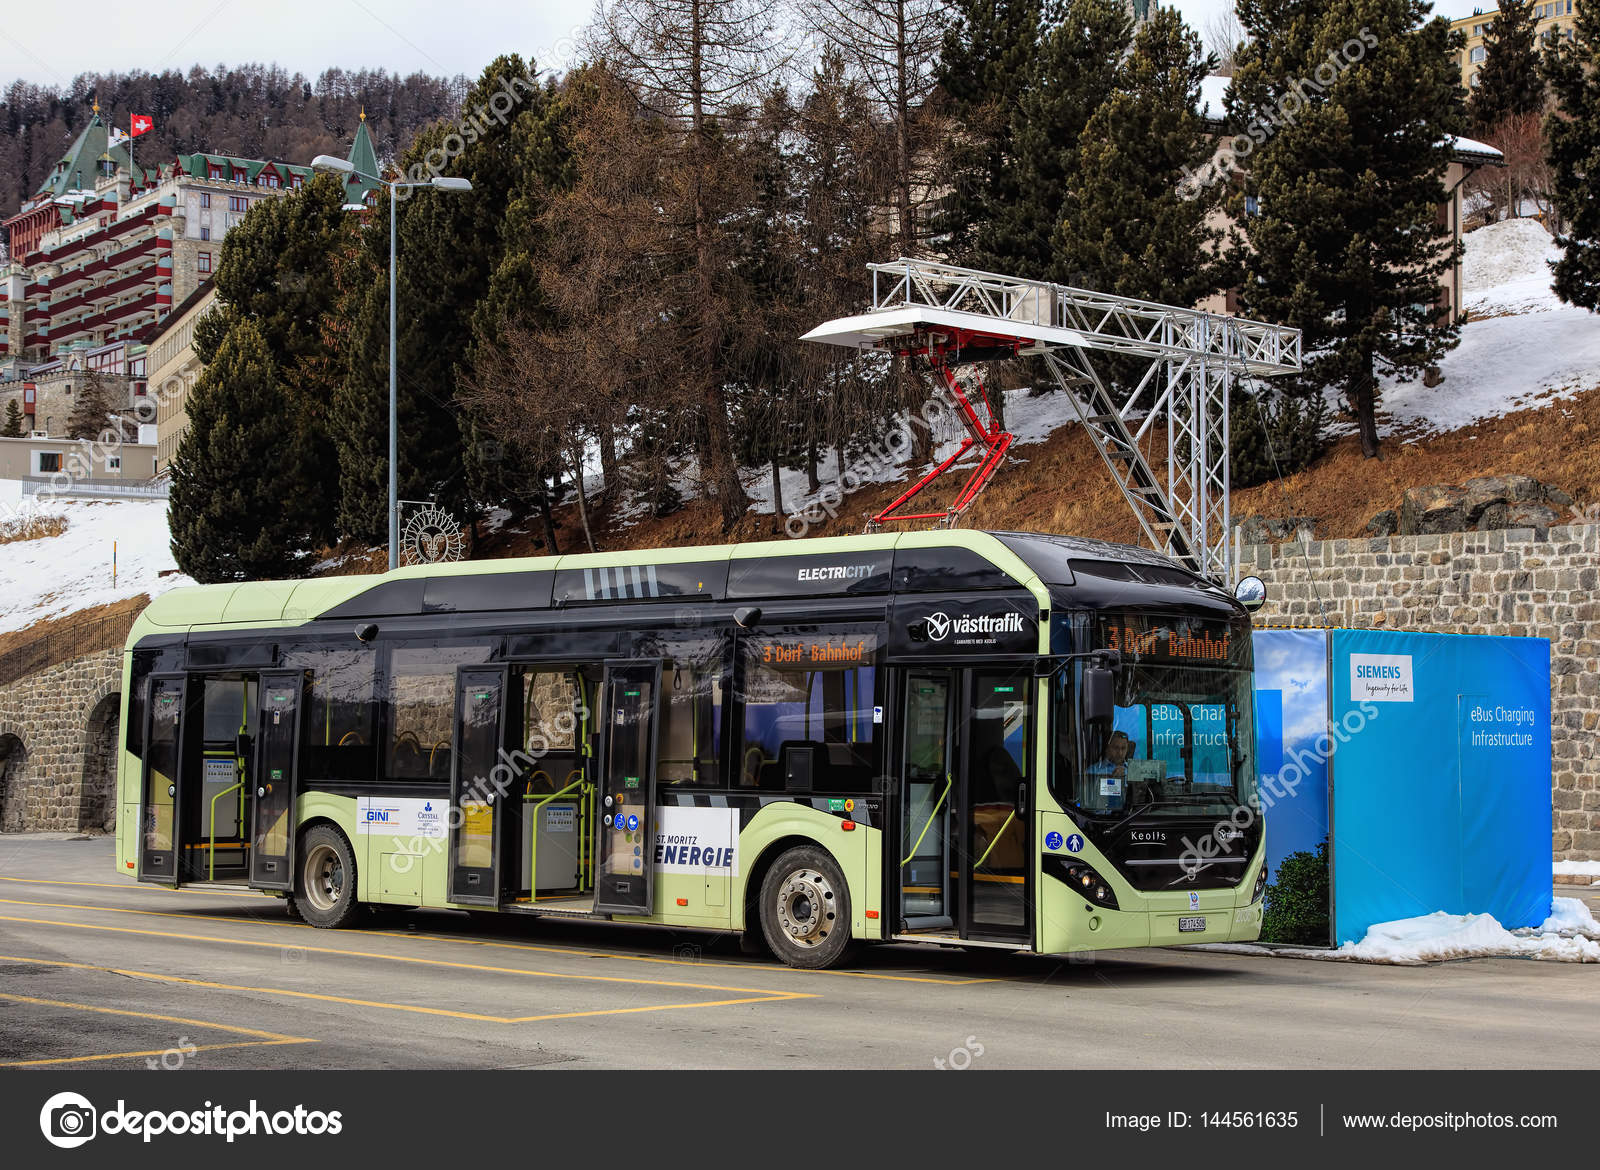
1083 881
1261 883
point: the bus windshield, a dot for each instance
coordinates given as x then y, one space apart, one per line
1181 740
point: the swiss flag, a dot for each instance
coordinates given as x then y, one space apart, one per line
139 124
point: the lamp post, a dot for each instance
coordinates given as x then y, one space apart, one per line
327 162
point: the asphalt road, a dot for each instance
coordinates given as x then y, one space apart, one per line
98 972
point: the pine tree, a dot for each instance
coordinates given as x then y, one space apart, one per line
504 469
93 406
277 270
1573 137
1074 69
1508 83
13 424
988 55
1344 115
1125 227
449 246
233 518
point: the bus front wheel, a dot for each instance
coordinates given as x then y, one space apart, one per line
325 895
805 909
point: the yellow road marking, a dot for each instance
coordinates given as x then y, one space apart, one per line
266 1039
136 886
414 959
407 1007
533 947
191 1048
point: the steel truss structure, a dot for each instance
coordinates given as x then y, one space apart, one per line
960 317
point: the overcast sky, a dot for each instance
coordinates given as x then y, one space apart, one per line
51 43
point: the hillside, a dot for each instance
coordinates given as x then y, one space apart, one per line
1521 395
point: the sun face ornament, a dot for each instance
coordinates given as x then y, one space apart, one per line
431 536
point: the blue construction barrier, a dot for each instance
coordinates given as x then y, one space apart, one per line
1423 759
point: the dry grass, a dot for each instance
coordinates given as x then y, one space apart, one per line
1061 485
31 528
72 636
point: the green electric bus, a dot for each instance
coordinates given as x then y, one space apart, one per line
1038 743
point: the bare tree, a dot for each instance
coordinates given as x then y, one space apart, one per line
893 46
696 65
1223 36
1526 175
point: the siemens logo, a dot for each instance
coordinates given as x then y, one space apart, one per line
1366 670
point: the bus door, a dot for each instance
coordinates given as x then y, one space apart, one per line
964 824
995 847
478 793
161 788
927 795
275 780
626 798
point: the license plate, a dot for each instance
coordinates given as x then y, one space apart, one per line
1186 925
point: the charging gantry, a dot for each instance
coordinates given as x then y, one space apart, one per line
958 318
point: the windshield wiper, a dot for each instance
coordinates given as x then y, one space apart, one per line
1161 803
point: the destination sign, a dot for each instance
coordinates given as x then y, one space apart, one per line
1167 640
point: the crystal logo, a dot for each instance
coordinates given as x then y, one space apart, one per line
67 1120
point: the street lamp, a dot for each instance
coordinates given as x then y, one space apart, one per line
327 162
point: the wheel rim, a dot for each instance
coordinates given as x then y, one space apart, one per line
324 877
806 908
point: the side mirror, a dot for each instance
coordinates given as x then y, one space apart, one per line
1099 695
1251 592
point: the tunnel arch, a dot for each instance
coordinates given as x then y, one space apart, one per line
97 787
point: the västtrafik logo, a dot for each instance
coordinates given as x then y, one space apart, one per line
941 625
67 1120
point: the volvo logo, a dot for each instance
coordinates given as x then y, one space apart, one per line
938 626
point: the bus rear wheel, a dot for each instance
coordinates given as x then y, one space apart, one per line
325 895
805 909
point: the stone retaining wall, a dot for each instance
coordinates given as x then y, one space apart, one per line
58 743
1512 582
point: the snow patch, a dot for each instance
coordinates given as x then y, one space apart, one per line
57 575
1569 935
1520 347
1581 868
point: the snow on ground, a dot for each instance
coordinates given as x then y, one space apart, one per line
56 575
1031 418
1580 868
1520 347
1569 935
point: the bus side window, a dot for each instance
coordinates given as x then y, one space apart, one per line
810 704
552 720
336 730
421 697
690 733
144 661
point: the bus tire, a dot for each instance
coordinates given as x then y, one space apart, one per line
805 909
325 891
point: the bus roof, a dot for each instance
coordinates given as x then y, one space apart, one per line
915 561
